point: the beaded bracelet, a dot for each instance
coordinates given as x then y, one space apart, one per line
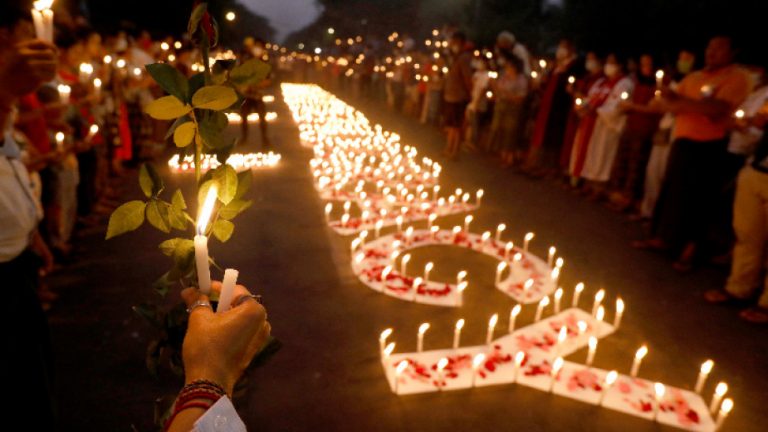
190 395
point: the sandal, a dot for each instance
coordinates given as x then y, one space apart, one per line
722 297
755 315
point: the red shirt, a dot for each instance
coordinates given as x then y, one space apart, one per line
35 129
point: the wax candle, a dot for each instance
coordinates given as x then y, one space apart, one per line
417 282
404 263
500 270
457 333
420 341
598 300
92 131
599 316
610 379
527 286
582 326
467 221
387 332
460 292
491 326
42 16
377 227
479 196
385 273
720 391
725 409
562 336
577 293
430 220
556 366
555 275
706 368
513 313
434 230
97 86
456 231
592 350
227 290
507 248
659 391
477 362
344 219
441 364
484 239
399 221
460 276
64 92
527 240
499 230
619 313
519 358
393 257
435 191
659 78
398 372
60 141
642 352
354 245
201 242
543 303
388 351
328 209
558 296
559 263
551 255
427 270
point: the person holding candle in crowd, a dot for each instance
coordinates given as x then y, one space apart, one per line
254 103
478 105
703 105
25 64
510 91
551 120
456 92
628 175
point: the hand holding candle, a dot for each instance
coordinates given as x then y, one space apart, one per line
201 242
227 290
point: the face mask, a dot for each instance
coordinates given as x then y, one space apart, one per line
592 65
455 49
611 70
561 53
684 66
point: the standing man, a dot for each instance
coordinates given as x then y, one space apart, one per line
254 102
457 92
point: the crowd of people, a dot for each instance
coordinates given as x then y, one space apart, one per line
670 146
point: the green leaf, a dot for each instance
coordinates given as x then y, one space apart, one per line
169 79
150 181
244 180
184 134
226 177
234 208
167 108
214 97
210 130
169 246
251 72
195 17
222 230
178 200
196 82
178 122
184 255
125 218
176 214
157 215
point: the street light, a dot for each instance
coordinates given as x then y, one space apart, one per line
230 16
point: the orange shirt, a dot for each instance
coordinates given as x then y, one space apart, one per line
730 84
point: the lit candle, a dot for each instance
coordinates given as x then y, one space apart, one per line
619 313
725 409
60 141
460 292
97 85
467 221
519 358
571 79
513 316
577 293
354 245
408 235
499 230
399 221
556 366
720 391
416 284
428 269
507 248
394 256
42 16
430 220
551 255
484 239
383 338
592 350
377 227
435 191
624 96
739 114
582 326
599 319
527 240
598 300
642 352
527 286
457 333
558 295
227 290
543 303
398 372
659 78
460 276
441 364
435 229
328 209
479 196
64 92
388 351
477 361
555 275
559 263
610 379
499 270
404 263
562 336
491 326
706 368
420 342
659 391
201 242
456 231
344 219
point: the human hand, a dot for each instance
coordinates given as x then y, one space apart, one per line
218 347
30 64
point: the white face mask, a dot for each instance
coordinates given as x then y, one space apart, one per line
611 70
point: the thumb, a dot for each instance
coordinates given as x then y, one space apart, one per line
192 296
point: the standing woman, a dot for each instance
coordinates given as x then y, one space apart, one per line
510 90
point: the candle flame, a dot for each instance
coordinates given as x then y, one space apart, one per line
479 193
516 310
528 284
509 246
401 367
59 137
478 360
519 358
559 263
600 313
406 258
579 287
600 296
462 286
429 266
727 406
557 365
582 325
94 129
544 302
41 5
707 366
385 334
417 282
592 343
611 378
486 235
468 219
529 236
206 210
642 352
442 364
423 328
494 319
388 350
460 324
721 389
461 275
619 305
558 294
659 74
501 266
562 335
660 390
739 114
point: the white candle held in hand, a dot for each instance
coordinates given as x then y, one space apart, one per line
227 290
639 355
457 333
201 242
706 368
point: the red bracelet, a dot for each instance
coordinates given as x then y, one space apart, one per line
190 395
179 408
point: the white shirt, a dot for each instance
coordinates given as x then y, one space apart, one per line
19 210
220 417
743 142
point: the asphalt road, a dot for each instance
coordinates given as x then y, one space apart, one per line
328 376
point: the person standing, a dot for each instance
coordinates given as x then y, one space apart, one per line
457 91
254 102
703 105
510 91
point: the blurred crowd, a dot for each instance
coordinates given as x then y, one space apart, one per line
668 145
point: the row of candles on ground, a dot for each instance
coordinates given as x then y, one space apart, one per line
235 118
706 368
238 161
